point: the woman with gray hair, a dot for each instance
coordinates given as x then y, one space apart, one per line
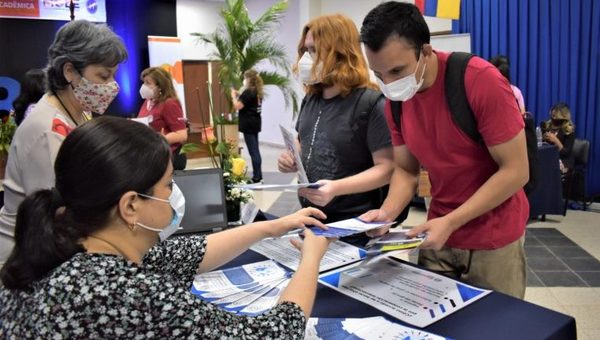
82 62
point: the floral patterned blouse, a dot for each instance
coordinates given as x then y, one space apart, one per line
100 296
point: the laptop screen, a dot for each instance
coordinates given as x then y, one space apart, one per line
205 208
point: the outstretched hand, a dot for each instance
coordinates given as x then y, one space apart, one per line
376 215
301 219
312 245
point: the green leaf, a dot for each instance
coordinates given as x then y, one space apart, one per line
241 44
222 148
189 147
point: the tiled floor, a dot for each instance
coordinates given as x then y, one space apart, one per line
563 252
555 261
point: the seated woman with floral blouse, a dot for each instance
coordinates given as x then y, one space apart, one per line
92 258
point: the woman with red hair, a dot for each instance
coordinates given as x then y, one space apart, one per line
342 133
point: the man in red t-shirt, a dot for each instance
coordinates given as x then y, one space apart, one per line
478 211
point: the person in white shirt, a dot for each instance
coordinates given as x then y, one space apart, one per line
82 62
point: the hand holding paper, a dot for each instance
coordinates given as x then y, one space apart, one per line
287 162
320 196
393 241
438 231
300 219
376 215
290 142
311 245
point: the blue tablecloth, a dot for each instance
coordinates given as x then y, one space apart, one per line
546 198
496 316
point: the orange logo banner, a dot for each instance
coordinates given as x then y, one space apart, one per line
20 8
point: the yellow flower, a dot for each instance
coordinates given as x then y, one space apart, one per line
238 166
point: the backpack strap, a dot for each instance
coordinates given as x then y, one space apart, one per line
365 104
456 95
396 107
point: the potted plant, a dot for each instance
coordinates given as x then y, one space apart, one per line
241 43
234 173
7 131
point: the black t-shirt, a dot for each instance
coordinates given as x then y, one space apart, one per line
249 115
566 153
342 143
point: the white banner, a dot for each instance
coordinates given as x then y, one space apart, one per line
165 52
91 10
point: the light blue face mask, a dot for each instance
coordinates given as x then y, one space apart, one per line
177 202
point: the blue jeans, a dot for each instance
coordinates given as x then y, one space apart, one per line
252 144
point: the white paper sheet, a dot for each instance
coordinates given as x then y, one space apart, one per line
144 120
282 251
410 294
348 227
290 142
278 187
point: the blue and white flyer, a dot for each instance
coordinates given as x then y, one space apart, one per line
415 296
238 278
250 289
282 251
348 227
363 328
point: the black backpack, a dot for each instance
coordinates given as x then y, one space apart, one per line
463 115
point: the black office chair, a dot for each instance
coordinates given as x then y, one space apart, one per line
574 181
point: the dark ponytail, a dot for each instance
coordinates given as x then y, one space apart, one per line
97 163
38 235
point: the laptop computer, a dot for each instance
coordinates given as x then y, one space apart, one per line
205 209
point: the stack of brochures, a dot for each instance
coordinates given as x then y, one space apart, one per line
248 290
363 328
393 241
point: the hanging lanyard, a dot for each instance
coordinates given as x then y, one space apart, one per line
85 117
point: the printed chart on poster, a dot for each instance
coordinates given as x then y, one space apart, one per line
415 296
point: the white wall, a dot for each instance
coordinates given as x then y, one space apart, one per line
196 16
357 10
274 111
203 16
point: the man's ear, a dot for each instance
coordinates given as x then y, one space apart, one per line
427 49
128 207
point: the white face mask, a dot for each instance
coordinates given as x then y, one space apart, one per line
405 88
305 65
146 92
177 202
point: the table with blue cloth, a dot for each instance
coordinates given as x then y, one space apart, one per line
495 316
546 198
